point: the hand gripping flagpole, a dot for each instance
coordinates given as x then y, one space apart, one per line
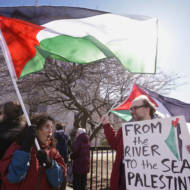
116 103
14 79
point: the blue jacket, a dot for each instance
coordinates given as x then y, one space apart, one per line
19 169
62 144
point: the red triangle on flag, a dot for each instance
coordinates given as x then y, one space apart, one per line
136 91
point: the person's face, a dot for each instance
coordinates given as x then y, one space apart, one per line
45 132
138 110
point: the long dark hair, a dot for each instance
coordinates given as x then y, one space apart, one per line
13 119
40 119
12 111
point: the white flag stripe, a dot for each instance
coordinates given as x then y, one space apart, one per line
161 108
125 37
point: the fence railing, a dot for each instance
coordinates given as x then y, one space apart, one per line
102 159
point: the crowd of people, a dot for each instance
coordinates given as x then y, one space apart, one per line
23 166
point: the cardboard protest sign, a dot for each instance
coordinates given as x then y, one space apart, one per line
156 155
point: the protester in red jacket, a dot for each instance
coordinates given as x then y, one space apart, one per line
141 109
23 167
81 159
12 122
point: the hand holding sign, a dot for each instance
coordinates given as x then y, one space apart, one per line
156 154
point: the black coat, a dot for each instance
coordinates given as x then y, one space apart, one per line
8 134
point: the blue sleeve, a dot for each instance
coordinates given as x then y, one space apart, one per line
55 175
18 166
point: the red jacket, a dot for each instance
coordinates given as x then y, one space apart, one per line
116 142
31 179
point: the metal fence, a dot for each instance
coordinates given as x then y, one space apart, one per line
102 159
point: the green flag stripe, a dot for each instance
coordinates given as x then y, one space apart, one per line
34 65
101 46
171 142
81 50
123 114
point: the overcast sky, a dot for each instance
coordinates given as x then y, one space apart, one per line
174 29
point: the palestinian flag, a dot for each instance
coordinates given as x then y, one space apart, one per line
165 105
31 34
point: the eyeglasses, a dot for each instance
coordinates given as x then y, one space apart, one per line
134 108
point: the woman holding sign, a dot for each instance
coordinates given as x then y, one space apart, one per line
141 109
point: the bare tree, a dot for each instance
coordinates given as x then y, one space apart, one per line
90 90
6 83
87 90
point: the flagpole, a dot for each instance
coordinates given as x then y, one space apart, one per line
24 110
14 79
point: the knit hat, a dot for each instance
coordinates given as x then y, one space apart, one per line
12 110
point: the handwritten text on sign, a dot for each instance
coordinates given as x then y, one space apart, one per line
155 154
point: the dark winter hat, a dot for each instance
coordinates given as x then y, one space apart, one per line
12 110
